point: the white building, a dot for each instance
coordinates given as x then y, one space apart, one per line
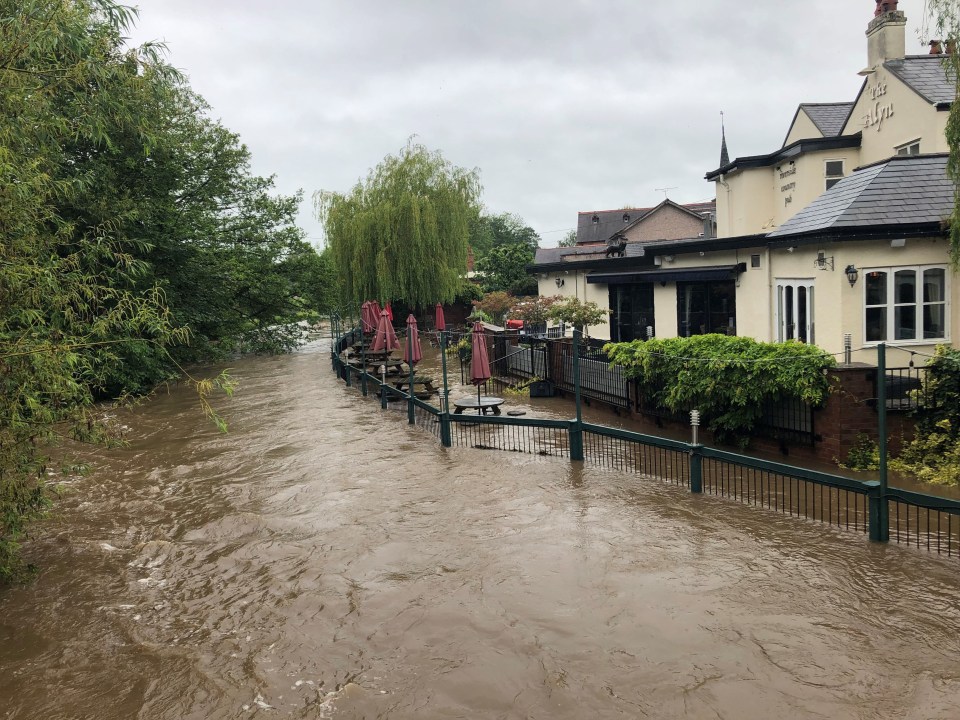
856 186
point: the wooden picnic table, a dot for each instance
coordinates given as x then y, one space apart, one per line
427 384
482 404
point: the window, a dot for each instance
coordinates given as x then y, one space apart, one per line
908 304
706 307
794 302
632 307
754 261
833 171
910 148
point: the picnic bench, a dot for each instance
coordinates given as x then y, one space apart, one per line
426 383
482 404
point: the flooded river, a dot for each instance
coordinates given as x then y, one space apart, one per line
326 560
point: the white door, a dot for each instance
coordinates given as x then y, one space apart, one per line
794 303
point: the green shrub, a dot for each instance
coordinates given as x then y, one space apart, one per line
864 455
934 454
729 379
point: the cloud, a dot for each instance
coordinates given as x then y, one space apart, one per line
564 106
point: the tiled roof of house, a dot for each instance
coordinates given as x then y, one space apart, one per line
904 190
598 226
828 117
927 75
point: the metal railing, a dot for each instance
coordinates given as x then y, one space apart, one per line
904 387
909 518
825 498
788 420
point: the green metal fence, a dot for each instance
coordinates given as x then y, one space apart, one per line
866 508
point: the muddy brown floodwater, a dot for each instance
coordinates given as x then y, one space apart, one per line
326 560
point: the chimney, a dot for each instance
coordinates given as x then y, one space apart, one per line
708 226
886 35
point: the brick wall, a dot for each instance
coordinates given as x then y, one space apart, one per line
668 223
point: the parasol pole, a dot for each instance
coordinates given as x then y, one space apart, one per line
445 400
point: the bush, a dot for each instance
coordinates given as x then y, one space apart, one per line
729 379
934 454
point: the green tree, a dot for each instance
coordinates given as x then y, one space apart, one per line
504 268
574 311
569 239
67 87
401 234
944 18
507 229
236 268
534 309
495 305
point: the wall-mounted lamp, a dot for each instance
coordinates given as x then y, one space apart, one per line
560 282
852 274
822 262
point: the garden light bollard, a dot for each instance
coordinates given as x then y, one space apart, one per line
696 459
649 332
847 348
383 386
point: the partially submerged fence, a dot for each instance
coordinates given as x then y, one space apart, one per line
916 519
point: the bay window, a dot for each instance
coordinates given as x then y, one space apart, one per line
905 304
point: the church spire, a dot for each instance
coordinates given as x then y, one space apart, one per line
724 155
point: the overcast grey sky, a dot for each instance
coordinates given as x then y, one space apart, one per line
563 105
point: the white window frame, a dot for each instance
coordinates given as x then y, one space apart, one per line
907 147
830 180
919 303
779 303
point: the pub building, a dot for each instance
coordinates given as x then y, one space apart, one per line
839 231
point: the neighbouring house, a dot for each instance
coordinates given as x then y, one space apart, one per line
838 232
607 237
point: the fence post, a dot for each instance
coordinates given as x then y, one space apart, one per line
411 418
696 469
363 364
878 521
445 438
576 428
884 506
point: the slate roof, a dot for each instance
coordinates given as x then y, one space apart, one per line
611 222
904 190
583 253
926 75
828 117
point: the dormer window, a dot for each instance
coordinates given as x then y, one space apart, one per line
626 218
833 171
595 219
910 148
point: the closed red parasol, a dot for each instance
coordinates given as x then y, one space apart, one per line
389 311
368 317
441 321
480 360
385 338
411 350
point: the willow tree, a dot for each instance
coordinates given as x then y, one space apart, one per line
402 233
943 21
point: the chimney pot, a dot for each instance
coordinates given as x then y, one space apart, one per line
951 47
935 47
885 6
